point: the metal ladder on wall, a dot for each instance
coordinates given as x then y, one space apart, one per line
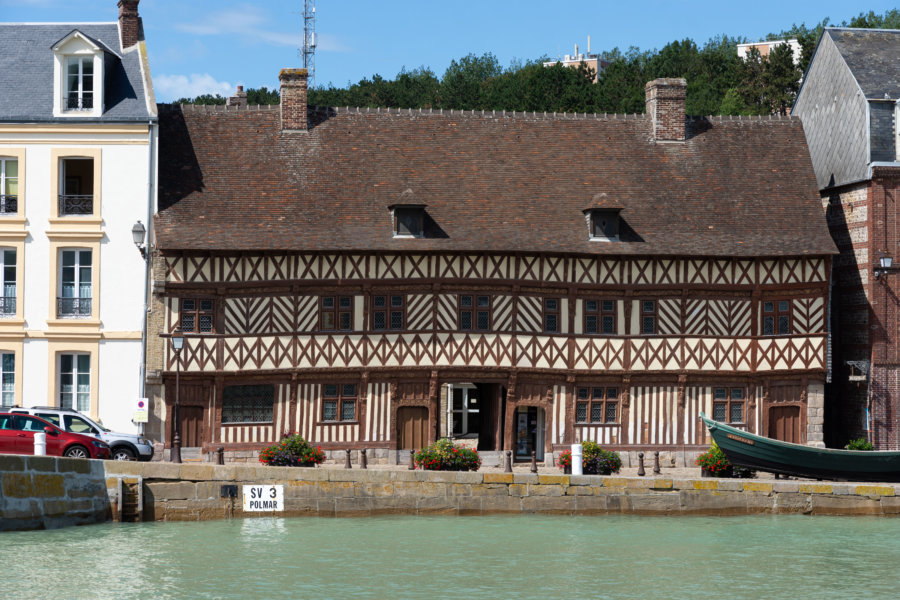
130 499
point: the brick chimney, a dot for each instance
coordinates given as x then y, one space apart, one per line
293 99
129 23
665 106
239 98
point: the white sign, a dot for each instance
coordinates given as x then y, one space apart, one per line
265 498
141 412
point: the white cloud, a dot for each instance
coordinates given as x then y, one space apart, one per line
172 87
247 22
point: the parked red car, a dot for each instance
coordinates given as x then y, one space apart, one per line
17 437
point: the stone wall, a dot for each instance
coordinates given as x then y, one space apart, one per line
193 492
45 492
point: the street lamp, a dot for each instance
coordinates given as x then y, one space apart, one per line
138 232
884 266
177 345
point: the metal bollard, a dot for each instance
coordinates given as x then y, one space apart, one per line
412 460
533 462
220 455
40 444
508 468
656 470
363 461
640 464
347 464
175 453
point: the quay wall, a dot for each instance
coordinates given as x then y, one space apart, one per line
46 492
193 492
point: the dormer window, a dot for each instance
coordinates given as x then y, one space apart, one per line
603 219
79 83
79 64
409 220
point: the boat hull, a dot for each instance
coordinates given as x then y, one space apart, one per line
756 452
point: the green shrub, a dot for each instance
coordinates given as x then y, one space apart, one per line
860 444
444 455
715 462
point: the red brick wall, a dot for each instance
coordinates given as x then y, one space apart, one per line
129 23
665 105
293 99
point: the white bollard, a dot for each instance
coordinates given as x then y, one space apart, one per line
577 457
40 444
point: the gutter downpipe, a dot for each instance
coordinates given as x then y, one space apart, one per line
150 192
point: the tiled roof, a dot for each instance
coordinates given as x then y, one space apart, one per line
26 72
873 56
492 182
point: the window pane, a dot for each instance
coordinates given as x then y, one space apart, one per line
737 394
719 411
328 302
769 326
9 365
380 301
396 301
581 412
609 324
349 389
327 321
378 321
329 410
611 413
582 393
550 323
590 306
484 320
597 412
648 325
484 301
346 302
551 304
590 324
396 319
187 322
188 304
84 363
65 363
784 325
465 320
647 305
608 305
457 399
348 410
720 394
783 305
345 321
612 393
597 393
465 301
768 306
330 390
737 412
206 305
206 323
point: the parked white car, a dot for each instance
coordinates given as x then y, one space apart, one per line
123 446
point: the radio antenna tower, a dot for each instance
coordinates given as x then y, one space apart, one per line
309 40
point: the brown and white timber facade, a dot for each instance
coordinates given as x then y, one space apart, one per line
382 278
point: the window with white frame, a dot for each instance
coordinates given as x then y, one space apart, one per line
74 284
79 83
8 282
466 414
75 381
9 186
7 379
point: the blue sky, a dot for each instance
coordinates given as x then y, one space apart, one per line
210 46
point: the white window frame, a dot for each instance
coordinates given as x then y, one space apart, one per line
77 279
77 46
72 398
465 410
4 182
7 289
81 60
7 379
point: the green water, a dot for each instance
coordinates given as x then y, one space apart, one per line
460 557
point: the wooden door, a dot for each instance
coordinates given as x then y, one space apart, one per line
784 423
191 423
412 427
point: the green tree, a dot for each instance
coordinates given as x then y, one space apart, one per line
464 84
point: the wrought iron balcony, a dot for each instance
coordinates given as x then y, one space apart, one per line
74 102
9 204
7 306
73 307
76 204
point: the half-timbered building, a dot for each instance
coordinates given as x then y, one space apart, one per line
381 278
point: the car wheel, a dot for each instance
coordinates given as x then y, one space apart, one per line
77 452
122 453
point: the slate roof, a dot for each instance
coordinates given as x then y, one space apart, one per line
26 73
873 56
231 181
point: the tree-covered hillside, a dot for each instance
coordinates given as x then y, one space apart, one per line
719 83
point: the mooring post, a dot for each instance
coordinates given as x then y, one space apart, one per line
533 462
363 462
412 459
508 468
220 455
347 464
640 464
656 470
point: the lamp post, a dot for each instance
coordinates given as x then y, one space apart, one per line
177 345
138 232
885 265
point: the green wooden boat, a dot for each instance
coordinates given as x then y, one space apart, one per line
756 452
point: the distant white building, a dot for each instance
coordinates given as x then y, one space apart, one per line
78 138
765 47
573 60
